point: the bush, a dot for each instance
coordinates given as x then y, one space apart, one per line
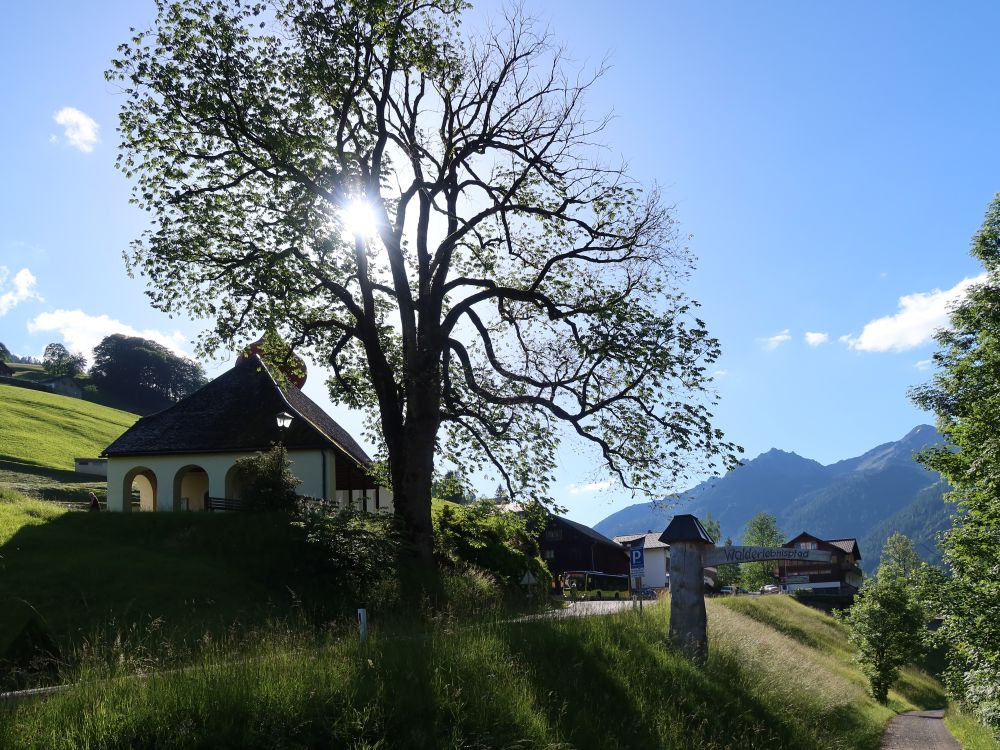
469 591
492 540
359 549
268 482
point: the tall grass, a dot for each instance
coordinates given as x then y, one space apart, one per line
970 734
192 571
602 682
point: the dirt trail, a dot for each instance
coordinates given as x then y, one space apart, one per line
919 730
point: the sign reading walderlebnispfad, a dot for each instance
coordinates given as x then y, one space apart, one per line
731 554
691 550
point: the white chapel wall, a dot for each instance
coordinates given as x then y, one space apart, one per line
307 465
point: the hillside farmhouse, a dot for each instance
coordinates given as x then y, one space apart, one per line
842 575
183 458
568 545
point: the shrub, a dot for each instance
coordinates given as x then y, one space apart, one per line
359 549
268 482
490 539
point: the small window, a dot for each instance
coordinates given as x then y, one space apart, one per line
554 535
549 554
806 545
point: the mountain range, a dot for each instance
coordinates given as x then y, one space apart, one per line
869 497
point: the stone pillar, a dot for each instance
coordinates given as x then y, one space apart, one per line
687 539
688 622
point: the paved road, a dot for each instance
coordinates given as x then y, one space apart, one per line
919 730
591 607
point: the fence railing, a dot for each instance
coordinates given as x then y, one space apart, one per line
223 503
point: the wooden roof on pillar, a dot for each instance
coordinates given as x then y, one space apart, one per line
685 528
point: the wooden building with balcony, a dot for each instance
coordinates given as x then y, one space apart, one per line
842 575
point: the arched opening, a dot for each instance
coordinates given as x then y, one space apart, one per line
234 483
190 488
139 490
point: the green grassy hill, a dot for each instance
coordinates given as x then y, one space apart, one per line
556 683
40 435
29 373
47 430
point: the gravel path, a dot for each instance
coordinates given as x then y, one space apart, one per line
919 730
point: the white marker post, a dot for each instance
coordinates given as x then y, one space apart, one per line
363 623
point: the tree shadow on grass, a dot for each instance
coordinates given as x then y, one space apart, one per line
644 696
196 572
633 690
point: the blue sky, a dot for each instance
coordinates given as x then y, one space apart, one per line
830 162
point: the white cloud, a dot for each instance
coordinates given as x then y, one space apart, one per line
920 315
720 373
773 342
815 339
592 487
924 364
24 289
82 332
80 129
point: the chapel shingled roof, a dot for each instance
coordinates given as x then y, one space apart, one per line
236 413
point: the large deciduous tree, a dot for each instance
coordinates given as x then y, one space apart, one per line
761 531
965 395
514 286
886 624
141 369
58 360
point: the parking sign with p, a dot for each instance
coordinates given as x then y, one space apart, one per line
636 561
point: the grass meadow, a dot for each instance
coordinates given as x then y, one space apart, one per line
175 632
195 572
599 682
968 731
208 631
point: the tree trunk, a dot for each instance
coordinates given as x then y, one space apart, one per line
412 478
412 466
